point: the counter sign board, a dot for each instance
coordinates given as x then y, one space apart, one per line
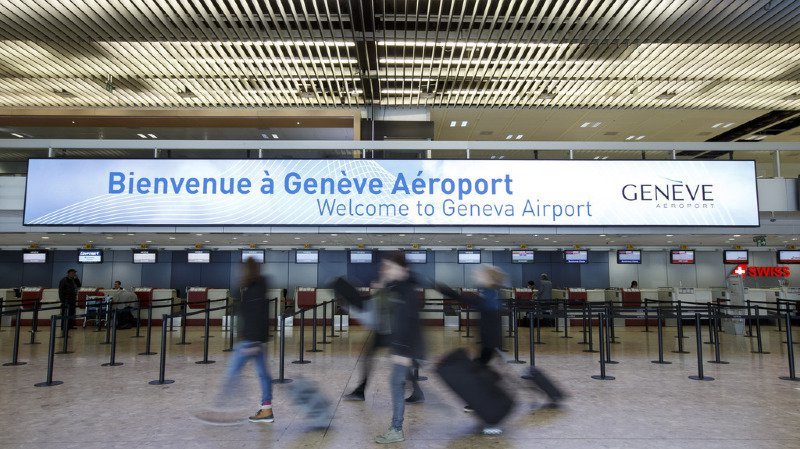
361 192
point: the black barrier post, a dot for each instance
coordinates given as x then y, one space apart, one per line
282 353
680 337
64 342
231 319
516 338
602 375
469 325
710 313
778 306
112 359
341 317
531 352
758 335
554 307
583 323
749 321
591 342
716 341
646 316
208 306
699 338
15 350
149 331
611 333
789 347
314 330
183 326
660 341
538 325
566 321
50 357
302 338
205 360
138 321
108 324
163 362
34 325
458 312
325 324
277 316
608 338
510 319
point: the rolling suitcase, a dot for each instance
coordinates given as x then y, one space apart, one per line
544 384
477 385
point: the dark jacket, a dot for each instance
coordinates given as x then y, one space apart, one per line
68 289
487 302
254 311
406 336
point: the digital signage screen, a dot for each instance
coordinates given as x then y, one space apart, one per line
626 256
416 256
145 256
576 256
788 256
256 254
199 256
90 256
306 256
34 256
521 256
681 256
735 256
469 257
360 256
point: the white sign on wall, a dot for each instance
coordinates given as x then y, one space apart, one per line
390 192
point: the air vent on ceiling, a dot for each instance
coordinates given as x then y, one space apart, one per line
611 133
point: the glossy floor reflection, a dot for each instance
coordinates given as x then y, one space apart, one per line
648 405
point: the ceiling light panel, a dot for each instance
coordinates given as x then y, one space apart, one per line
196 53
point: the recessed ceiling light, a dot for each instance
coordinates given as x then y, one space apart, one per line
590 124
128 234
149 241
485 238
669 241
109 238
547 238
263 241
140 135
198 235
669 235
731 239
464 124
132 234
509 137
152 136
208 241
468 235
519 136
401 235
172 238
236 238
453 124
422 238
297 238
275 136
45 237
20 136
334 235
380 241
639 137
298 123
359 238
737 235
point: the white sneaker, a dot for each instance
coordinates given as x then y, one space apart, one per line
491 431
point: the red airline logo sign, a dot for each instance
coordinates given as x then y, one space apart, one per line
744 271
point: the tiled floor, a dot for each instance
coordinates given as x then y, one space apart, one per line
647 406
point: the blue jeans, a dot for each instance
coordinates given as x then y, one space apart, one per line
397 383
237 363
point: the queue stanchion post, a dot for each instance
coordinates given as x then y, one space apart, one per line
531 352
608 338
162 365
108 323
231 318
515 323
646 316
49 382
699 338
325 323
282 353
758 334
566 321
183 326
510 319
333 320
680 337
138 322
554 308
749 321
789 348
277 316
458 313
207 320
660 360
314 330
469 324
15 350
538 325
602 375
208 306
583 323
591 342
341 317
611 333
150 330
112 360
710 313
717 359
34 325
302 361
65 341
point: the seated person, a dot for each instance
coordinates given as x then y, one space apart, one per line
634 285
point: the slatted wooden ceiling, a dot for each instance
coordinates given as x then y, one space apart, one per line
316 53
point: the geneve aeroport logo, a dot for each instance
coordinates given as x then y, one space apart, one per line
672 194
744 270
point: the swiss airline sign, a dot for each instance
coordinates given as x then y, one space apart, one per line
744 271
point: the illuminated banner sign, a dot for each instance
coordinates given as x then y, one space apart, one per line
744 270
390 192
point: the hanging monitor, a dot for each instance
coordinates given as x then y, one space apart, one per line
34 256
306 256
626 256
416 256
360 256
145 256
681 256
256 254
788 256
521 256
90 256
199 256
576 256
469 256
735 256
